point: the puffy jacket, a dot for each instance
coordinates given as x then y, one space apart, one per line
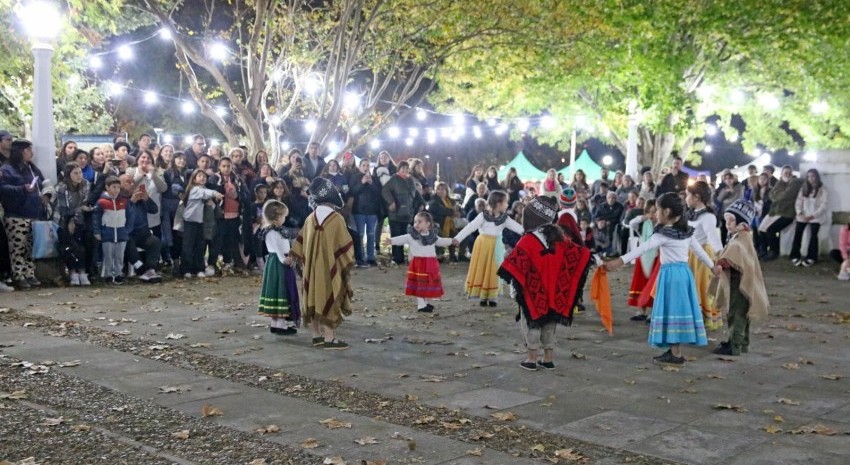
70 203
784 197
17 202
110 218
401 192
137 216
367 197
813 205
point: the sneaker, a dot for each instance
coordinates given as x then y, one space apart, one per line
290 331
318 341
118 280
84 280
5 287
724 349
546 365
33 282
667 358
274 330
844 276
336 344
187 276
640 317
530 366
361 265
149 276
131 270
796 262
491 303
75 279
426 309
808 262
201 274
210 271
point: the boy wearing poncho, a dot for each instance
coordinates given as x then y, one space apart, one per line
546 273
740 288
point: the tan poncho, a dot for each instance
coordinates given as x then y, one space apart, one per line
742 254
327 253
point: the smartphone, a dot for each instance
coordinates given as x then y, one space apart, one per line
142 188
34 182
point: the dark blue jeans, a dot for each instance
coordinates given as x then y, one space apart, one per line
366 227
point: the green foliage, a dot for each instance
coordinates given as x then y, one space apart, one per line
673 63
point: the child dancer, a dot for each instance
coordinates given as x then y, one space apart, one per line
482 281
704 222
423 274
646 266
676 314
279 295
546 271
741 289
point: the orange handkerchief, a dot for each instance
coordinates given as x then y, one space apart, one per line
600 294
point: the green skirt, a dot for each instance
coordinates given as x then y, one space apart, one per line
274 296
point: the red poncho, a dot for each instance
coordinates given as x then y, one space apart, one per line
548 280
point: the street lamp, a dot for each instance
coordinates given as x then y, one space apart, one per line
42 22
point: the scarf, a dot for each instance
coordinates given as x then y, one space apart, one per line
497 220
429 239
600 294
693 215
550 185
673 233
648 258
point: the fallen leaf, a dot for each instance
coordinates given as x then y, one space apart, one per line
689 390
158 347
226 331
184 434
568 454
295 388
477 436
373 462
366 440
424 420
474 452
713 376
737 408
814 429
772 429
411 397
258 462
411 445
783 400
579 356
432 378
333 423
778 419
53 421
791 366
538 448
174 336
451 426
210 411
831 377
670 368
5 310
627 381
335 460
310 443
70 364
504 416
267 429
173 389
78 428
726 359
14 395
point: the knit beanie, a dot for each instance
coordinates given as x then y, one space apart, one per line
568 197
323 191
743 210
540 211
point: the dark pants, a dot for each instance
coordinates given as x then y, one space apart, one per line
812 253
738 318
771 237
379 228
398 228
152 247
724 234
192 257
226 243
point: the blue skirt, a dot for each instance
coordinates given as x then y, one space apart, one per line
676 313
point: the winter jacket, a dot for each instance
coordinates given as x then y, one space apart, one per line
155 186
70 203
313 168
194 209
17 202
367 197
813 205
784 197
110 218
725 196
401 192
623 193
612 213
137 216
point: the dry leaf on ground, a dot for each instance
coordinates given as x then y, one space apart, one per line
832 377
411 397
184 434
714 376
210 411
538 448
173 389
783 400
778 419
78 428
737 408
791 366
478 435
474 452
198 345
333 423
424 420
335 460
814 429
258 462
772 429
70 364
310 443
373 462
568 454
504 416
267 429
175 336
53 421
366 440
14 395
670 368
579 356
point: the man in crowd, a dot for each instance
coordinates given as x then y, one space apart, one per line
195 152
594 190
144 144
313 163
675 181
122 153
139 205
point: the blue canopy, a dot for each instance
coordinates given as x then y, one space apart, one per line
591 170
524 169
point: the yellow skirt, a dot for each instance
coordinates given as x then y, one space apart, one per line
482 280
702 277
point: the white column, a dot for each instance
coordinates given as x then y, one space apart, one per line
43 129
632 167
572 154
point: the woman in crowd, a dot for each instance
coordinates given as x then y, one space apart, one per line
811 213
550 187
65 155
176 177
728 192
492 177
647 186
443 211
166 153
513 185
366 192
384 170
71 197
580 185
627 187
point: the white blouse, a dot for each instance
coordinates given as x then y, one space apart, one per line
705 231
671 250
488 228
417 249
277 244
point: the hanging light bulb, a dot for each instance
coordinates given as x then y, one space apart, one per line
413 132
165 34
476 131
707 148
188 108
275 120
114 88
168 138
501 129
125 52
221 111
491 122
151 98
523 124
394 132
431 135
310 125
711 130
285 145
421 115
95 62
218 51
547 122
408 142
375 144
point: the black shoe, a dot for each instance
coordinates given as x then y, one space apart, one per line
724 349
483 303
667 358
648 321
275 330
318 341
23 284
426 309
579 308
118 280
290 331
33 282
336 344
491 303
770 256
640 317
546 365
372 263
530 366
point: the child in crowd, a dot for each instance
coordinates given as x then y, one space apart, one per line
72 251
586 234
72 194
601 239
842 253
703 220
110 219
423 274
567 201
740 290
646 266
252 220
482 281
326 250
676 314
279 295
546 272
195 199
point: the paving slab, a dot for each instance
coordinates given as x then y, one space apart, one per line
615 429
478 400
693 446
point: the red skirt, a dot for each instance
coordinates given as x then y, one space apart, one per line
642 289
423 278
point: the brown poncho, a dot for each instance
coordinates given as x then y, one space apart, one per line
742 254
327 253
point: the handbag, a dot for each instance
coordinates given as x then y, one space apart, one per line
45 237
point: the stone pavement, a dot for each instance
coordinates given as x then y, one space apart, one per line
604 392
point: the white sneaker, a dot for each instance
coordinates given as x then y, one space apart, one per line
5 287
75 279
796 262
148 276
844 276
210 271
187 275
202 274
84 280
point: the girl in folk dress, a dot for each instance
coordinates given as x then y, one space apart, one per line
482 281
676 314
423 274
646 266
279 295
704 222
